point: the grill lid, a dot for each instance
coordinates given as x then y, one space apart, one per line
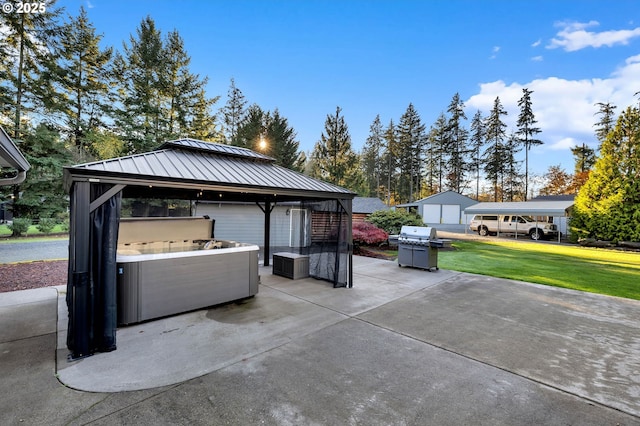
417 233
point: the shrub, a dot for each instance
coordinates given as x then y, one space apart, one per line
19 227
365 233
46 224
392 220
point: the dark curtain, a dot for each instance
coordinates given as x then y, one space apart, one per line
331 245
91 286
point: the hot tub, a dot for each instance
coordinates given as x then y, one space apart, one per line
165 275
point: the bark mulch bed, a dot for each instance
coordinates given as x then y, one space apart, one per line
27 275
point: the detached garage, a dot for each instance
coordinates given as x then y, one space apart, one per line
445 208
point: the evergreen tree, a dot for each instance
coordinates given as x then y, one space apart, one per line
512 185
81 73
42 193
389 162
234 113
411 138
333 158
183 93
607 121
252 130
285 146
477 140
494 155
585 158
607 206
140 68
26 40
372 158
204 123
436 161
527 132
455 145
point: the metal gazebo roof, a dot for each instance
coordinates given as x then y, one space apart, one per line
206 166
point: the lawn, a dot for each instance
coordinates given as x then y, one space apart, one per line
33 230
604 271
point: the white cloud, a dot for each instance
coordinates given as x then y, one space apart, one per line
574 36
494 52
538 58
565 109
536 43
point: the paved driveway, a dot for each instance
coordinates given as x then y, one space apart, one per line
404 347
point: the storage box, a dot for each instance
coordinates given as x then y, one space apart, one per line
291 265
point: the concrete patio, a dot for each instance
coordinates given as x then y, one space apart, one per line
404 346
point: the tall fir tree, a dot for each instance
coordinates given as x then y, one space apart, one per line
333 158
527 132
494 155
285 145
390 162
512 177
252 130
27 40
139 69
606 111
477 140
436 159
372 158
234 113
412 139
82 77
456 145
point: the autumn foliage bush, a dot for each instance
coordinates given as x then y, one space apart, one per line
367 234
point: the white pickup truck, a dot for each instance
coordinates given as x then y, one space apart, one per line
512 224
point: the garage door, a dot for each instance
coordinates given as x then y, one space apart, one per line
451 214
431 213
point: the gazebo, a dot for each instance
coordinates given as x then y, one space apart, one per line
192 170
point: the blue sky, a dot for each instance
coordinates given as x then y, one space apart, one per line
375 57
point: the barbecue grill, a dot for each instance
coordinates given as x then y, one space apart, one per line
418 247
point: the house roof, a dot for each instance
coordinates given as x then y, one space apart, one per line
189 164
529 208
368 205
11 157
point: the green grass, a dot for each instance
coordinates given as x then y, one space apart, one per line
33 230
611 272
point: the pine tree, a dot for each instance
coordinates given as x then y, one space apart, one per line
607 206
585 158
412 139
285 146
607 121
372 158
140 69
81 74
234 113
252 130
436 161
42 193
389 162
494 155
333 157
26 40
512 185
527 132
455 145
477 140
